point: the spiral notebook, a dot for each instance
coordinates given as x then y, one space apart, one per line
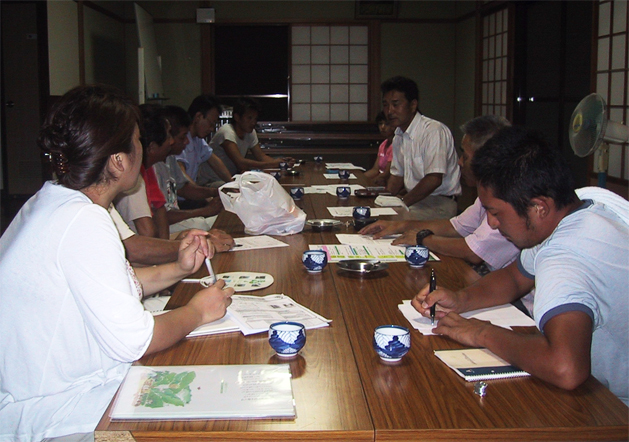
478 364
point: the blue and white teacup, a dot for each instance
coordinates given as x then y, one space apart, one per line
314 260
287 338
361 212
318 159
297 192
276 174
391 342
283 165
416 256
343 192
343 174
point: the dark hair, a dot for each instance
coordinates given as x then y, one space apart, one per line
204 104
243 104
518 165
481 129
178 118
83 129
381 117
154 128
401 84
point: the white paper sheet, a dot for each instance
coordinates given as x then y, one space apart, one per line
505 316
347 211
367 240
335 176
343 166
338 252
256 242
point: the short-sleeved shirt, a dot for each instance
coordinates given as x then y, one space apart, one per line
133 204
426 147
70 332
227 133
487 243
584 266
196 152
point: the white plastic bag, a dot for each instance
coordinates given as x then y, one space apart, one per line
262 204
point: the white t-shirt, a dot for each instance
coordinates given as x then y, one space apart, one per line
426 147
133 204
227 133
584 266
71 320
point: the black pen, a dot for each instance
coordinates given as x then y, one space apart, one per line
433 286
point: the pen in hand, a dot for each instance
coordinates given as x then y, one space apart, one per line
433 286
210 271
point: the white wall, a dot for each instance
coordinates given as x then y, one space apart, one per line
63 45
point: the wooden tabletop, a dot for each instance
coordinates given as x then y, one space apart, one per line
343 391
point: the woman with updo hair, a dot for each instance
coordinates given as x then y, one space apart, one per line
71 317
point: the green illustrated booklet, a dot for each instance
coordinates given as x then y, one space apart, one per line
205 392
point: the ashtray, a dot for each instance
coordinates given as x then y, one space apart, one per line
362 265
292 172
319 225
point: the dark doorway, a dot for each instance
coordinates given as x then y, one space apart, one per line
253 61
552 70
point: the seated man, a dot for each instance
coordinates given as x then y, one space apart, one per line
204 112
232 142
575 254
468 235
166 220
172 181
424 159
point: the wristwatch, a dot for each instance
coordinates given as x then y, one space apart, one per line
423 234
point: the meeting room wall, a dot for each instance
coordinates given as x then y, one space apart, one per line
63 46
427 44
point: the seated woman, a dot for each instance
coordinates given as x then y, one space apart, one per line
71 320
379 173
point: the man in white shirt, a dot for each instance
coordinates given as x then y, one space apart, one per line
424 159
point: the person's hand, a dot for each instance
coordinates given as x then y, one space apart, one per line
382 228
213 207
446 301
468 332
290 160
380 180
193 250
408 238
212 303
222 241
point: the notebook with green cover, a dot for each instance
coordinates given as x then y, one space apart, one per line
478 364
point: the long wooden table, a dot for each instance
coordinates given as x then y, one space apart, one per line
342 389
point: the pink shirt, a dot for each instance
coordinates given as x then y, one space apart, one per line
385 155
487 243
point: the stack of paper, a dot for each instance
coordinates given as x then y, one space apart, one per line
335 176
255 314
505 316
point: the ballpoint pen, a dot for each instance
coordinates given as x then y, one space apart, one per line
433 286
211 271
